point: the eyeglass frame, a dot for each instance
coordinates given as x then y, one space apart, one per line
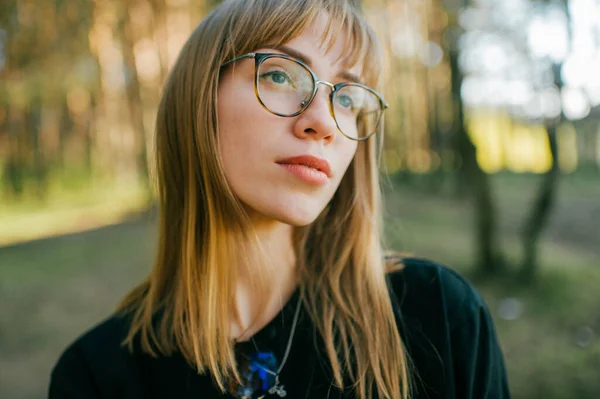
259 58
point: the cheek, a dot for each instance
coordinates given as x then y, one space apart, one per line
244 139
348 152
230 114
243 123
230 136
234 122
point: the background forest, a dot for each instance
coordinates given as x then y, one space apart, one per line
491 164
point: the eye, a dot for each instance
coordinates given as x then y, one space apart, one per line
277 78
345 101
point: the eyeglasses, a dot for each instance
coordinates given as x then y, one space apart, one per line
286 87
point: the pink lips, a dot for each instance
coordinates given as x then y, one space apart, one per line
308 168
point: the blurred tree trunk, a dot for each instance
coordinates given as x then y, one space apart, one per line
133 91
591 147
474 181
596 144
436 177
541 210
159 21
100 151
437 27
16 50
65 127
545 199
40 170
471 179
91 116
3 125
13 166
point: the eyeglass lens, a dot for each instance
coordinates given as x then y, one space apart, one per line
285 86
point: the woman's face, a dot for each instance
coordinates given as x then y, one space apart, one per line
255 143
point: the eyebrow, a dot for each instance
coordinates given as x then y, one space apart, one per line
348 76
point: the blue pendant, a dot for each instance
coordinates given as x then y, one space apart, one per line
258 372
264 366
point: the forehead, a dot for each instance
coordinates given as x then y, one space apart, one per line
327 50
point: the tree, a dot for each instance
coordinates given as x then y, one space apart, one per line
546 196
127 38
471 177
475 182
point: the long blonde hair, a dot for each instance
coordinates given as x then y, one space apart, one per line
184 303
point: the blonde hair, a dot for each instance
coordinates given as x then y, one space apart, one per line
203 226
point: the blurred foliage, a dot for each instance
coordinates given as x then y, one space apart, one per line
81 81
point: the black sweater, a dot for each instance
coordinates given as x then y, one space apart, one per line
443 321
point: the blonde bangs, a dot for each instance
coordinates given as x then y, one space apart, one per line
260 23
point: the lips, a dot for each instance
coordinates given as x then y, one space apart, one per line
310 161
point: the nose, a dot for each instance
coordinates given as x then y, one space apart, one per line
317 121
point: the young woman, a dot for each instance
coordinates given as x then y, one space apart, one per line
270 278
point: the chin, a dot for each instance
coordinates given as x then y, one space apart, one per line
294 210
297 218
298 222
292 215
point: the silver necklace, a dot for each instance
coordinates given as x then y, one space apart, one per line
278 388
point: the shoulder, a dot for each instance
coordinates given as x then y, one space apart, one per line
93 358
426 289
104 339
448 332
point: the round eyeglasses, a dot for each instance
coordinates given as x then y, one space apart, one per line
286 87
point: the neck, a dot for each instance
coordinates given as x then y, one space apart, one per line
277 281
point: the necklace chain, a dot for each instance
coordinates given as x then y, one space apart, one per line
277 387
289 344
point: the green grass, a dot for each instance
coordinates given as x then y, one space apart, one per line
65 212
51 290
